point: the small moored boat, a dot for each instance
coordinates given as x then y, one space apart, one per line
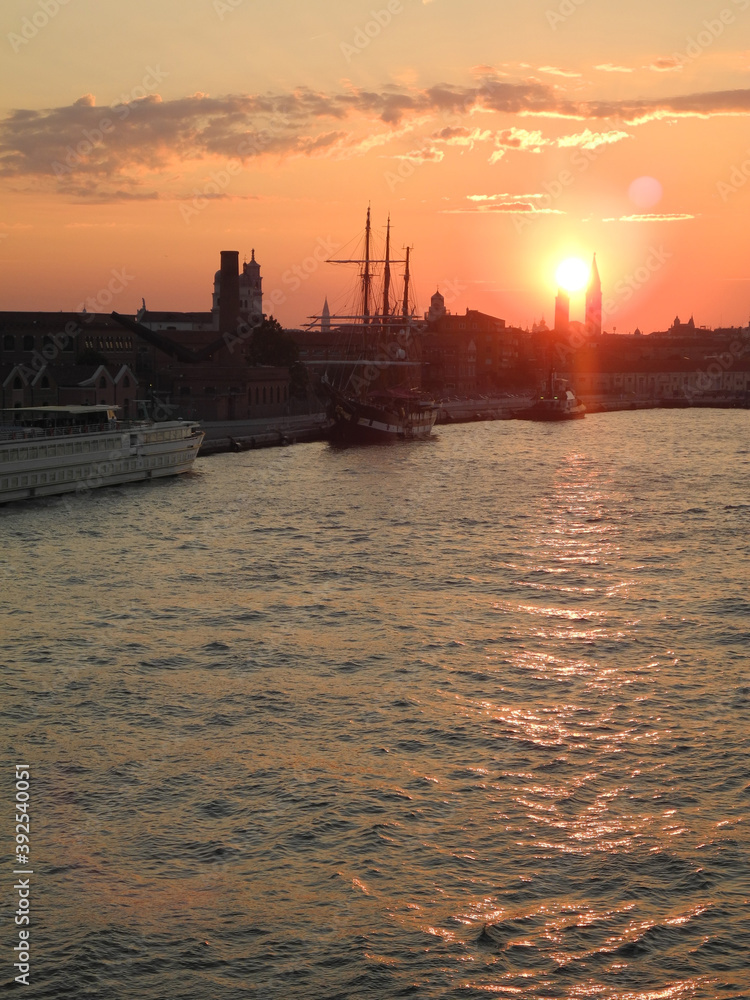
556 401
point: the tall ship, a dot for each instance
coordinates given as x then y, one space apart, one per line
46 450
373 385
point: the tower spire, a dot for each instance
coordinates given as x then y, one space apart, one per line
594 302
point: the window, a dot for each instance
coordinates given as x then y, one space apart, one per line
103 382
17 383
28 342
126 382
9 342
45 383
184 390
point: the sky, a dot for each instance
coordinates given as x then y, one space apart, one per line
139 139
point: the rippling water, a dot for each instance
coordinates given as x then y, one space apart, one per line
459 718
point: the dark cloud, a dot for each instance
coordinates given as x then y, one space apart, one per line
82 147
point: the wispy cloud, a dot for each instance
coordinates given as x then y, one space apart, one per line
611 68
682 217
555 71
668 64
507 204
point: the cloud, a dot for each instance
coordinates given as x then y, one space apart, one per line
426 155
591 140
665 65
508 204
652 218
554 71
610 68
112 151
504 197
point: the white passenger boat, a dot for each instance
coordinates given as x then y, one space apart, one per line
62 449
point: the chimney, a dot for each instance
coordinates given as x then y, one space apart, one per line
229 291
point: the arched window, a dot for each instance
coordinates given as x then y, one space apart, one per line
126 382
102 382
28 342
9 342
44 383
17 383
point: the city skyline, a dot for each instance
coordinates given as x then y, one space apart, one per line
501 143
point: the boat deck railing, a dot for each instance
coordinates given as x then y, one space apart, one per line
20 431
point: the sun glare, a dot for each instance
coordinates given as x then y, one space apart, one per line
572 274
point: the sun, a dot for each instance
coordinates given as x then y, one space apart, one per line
572 274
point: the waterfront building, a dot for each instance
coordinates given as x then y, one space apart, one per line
469 353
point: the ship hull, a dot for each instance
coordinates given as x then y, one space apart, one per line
548 414
360 422
34 466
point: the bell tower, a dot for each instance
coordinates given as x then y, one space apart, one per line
594 302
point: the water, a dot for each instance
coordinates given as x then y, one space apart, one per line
460 718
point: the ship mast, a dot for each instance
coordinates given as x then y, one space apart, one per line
387 270
406 286
366 277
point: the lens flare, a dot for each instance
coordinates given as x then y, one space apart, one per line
645 192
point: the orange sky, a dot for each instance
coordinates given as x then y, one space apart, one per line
500 137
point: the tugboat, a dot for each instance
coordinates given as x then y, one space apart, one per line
370 388
556 401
